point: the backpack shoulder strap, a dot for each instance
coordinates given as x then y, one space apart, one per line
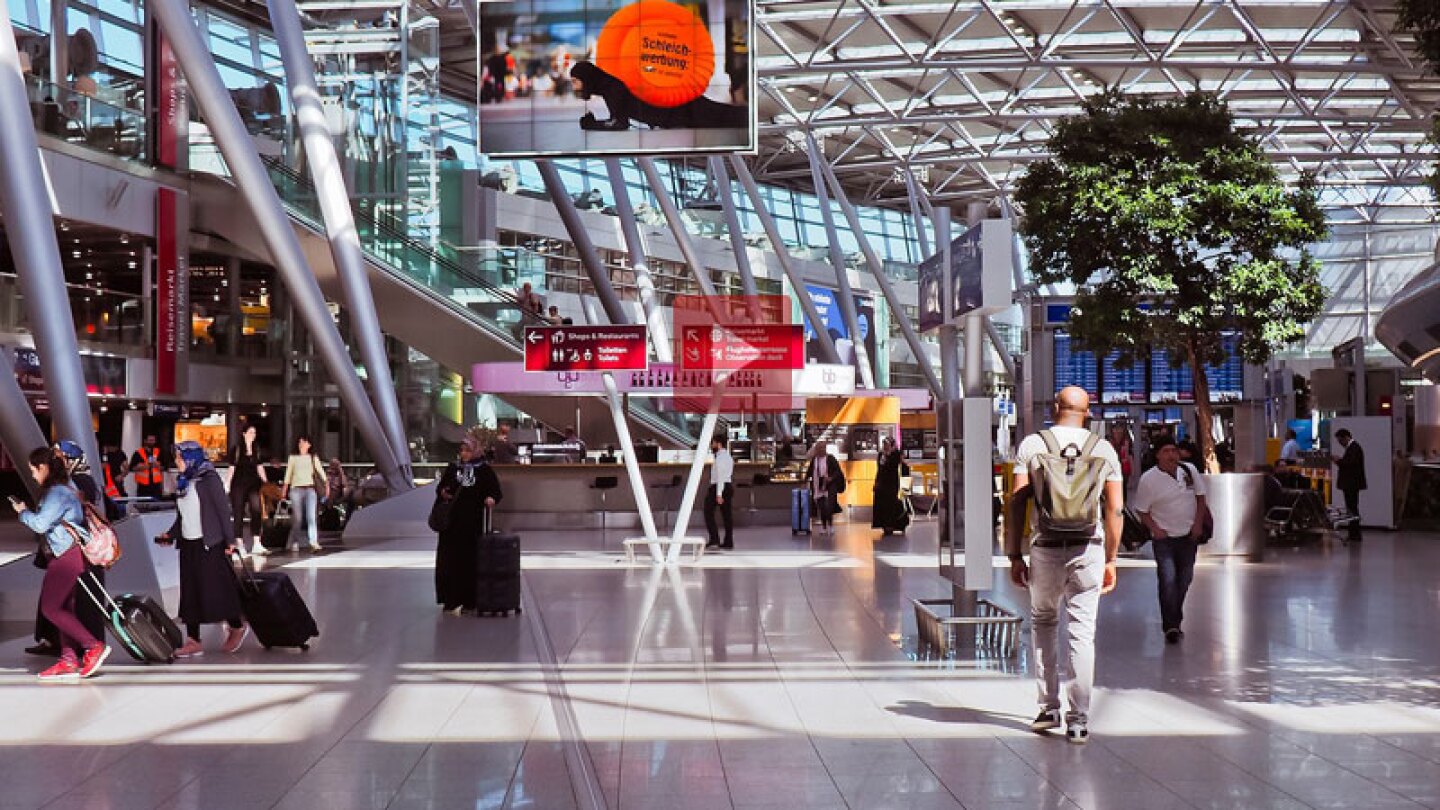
1052 444
1090 444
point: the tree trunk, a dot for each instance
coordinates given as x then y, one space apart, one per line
1204 414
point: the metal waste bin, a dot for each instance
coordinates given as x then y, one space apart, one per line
1237 502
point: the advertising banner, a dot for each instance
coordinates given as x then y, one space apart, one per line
168 111
172 290
585 348
827 302
612 77
967 267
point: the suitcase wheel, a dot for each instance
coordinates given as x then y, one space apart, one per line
304 647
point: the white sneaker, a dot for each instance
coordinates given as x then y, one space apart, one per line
316 548
259 551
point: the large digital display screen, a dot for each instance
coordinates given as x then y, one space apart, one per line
1122 386
1227 380
1169 384
1074 367
610 77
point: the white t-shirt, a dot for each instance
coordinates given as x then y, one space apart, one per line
1170 500
1033 445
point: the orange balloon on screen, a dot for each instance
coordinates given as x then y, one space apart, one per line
660 50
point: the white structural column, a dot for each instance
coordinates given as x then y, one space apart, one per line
30 230
339 219
917 214
777 244
639 262
682 238
627 445
842 271
584 245
697 465
275 227
18 431
737 238
877 271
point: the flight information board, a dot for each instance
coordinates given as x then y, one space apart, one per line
1122 386
1169 384
1227 380
1074 367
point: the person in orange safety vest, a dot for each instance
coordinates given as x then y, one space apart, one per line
149 472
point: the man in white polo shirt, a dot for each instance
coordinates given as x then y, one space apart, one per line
1171 503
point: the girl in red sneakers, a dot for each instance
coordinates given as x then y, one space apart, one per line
60 519
204 530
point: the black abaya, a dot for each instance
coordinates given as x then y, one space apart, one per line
455 554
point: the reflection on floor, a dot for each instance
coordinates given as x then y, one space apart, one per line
776 676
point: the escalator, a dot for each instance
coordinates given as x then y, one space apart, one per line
458 315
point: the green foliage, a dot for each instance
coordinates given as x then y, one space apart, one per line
1422 18
1164 203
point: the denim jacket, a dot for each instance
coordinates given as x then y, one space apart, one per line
60 505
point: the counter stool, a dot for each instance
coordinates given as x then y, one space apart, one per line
760 480
675 483
604 483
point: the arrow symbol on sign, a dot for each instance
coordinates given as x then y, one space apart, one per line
535 337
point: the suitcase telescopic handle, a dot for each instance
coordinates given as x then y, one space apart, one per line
101 588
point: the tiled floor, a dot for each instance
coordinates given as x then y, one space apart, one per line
773 677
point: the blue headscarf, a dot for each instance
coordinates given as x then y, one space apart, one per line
197 464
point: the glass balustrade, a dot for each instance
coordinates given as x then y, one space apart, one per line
100 315
78 118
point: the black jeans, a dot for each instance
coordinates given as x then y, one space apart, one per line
243 499
727 514
1352 505
1175 567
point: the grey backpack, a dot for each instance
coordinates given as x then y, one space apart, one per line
1068 483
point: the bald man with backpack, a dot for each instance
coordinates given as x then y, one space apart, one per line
1071 474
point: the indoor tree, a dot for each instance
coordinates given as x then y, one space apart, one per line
1175 229
1422 19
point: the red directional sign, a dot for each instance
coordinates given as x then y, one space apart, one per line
585 348
743 346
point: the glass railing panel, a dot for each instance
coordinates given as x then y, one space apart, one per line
100 315
85 120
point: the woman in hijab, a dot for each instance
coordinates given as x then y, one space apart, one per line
204 530
469 487
888 514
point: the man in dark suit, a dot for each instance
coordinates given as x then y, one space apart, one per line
1350 477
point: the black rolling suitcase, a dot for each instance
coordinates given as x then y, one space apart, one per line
497 572
275 532
799 511
274 609
137 622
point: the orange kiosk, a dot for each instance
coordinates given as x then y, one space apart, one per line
855 426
